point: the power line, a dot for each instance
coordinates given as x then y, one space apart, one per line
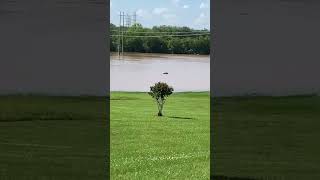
119 41
122 33
125 22
179 32
134 17
182 35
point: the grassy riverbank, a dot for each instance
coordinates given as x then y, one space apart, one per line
144 146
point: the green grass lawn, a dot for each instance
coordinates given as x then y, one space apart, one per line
64 138
267 137
175 146
52 138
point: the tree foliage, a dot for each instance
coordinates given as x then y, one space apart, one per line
164 44
160 91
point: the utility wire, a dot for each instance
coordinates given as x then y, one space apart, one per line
185 35
184 32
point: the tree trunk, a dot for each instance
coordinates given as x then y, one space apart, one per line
160 107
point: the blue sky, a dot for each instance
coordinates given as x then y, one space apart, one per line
191 13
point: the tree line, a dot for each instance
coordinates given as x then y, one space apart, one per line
158 39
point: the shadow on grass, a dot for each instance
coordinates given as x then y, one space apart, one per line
123 98
178 117
230 178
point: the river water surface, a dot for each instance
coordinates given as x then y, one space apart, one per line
138 71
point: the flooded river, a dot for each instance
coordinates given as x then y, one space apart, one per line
138 71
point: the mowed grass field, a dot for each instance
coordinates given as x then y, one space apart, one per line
267 137
65 137
53 138
145 146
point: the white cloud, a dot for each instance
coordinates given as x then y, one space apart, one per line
175 2
204 6
159 11
143 13
203 20
186 6
169 16
170 19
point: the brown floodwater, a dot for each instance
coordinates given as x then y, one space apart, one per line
138 71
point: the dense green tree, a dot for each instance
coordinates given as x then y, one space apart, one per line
160 91
134 44
135 40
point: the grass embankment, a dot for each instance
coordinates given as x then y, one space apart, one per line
144 146
265 137
61 138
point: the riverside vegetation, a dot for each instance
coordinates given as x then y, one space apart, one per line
136 40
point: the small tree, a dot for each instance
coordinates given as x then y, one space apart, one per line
159 92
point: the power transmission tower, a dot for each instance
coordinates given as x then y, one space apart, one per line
124 22
128 20
122 32
134 17
119 35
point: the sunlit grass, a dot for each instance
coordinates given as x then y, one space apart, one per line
145 146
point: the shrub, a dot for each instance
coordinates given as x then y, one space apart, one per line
160 91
